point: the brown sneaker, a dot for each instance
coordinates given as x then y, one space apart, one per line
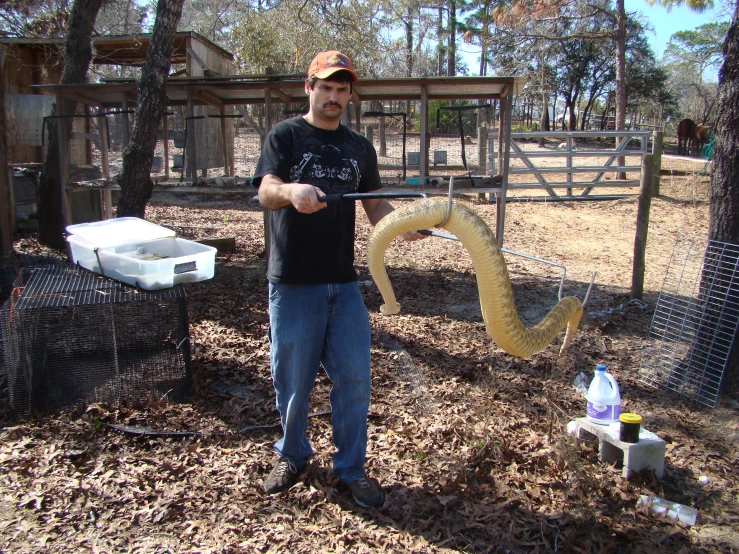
282 476
366 492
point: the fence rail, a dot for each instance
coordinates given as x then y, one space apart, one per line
628 145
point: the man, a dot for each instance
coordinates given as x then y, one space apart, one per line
316 312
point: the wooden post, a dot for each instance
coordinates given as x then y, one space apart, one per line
126 129
165 133
267 129
7 207
506 110
657 141
267 111
346 119
424 144
63 141
104 154
501 124
107 199
224 139
383 142
191 161
642 226
88 131
482 152
482 148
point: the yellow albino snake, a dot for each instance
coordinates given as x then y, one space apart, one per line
493 283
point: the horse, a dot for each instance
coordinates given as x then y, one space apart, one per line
703 135
686 135
691 138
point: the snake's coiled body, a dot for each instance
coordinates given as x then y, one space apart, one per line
493 283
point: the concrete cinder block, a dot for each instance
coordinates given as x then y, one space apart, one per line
648 453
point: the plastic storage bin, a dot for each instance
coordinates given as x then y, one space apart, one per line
139 253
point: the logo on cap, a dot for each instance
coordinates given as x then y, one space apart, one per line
336 59
327 63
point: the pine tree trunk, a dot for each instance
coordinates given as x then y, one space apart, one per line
724 192
620 76
135 178
452 51
544 119
440 36
77 58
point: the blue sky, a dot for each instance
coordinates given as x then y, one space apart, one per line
664 23
667 23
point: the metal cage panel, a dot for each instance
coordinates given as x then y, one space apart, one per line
72 337
695 320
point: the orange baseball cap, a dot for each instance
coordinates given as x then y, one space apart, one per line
327 63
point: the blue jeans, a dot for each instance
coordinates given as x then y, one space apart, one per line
328 324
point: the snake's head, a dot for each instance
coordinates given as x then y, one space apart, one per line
391 309
571 328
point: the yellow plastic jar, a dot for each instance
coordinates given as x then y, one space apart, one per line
630 427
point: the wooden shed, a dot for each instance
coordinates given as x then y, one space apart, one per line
29 62
222 93
26 63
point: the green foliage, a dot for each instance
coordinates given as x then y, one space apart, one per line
213 18
286 36
260 41
522 128
123 18
690 61
697 6
698 50
445 121
34 18
645 81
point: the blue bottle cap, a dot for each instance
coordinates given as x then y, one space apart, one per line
600 368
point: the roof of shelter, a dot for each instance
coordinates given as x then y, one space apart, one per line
124 49
236 90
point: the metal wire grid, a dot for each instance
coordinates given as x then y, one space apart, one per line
695 320
25 188
72 337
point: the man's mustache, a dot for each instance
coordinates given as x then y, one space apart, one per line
327 104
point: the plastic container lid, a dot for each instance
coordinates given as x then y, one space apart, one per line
630 418
600 368
119 231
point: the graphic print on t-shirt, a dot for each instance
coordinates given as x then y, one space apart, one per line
332 169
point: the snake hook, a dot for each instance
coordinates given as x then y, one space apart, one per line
449 203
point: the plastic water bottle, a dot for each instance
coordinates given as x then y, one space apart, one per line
604 399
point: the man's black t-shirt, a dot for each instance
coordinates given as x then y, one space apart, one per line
318 247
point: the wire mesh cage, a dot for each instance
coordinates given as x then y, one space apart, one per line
25 190
7 276
695 320
72 337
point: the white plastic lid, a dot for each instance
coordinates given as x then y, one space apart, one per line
119 231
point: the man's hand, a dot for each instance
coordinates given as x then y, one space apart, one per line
377 208
304 198
413 235
274 194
